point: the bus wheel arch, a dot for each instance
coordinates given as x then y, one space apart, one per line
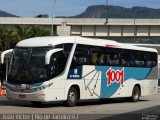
136 93
72 96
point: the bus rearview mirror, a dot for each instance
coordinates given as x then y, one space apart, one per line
49 54
4 53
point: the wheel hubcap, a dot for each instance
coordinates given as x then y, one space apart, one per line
136 95
72 96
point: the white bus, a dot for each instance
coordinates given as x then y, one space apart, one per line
68 69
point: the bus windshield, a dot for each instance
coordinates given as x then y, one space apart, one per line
28 65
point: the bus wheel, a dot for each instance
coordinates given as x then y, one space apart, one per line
135 94
72 97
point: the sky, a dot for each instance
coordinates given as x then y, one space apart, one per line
32 8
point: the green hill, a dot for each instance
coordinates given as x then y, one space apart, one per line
5 14
99 11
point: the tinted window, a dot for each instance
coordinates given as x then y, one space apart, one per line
94 55
150 59
59 60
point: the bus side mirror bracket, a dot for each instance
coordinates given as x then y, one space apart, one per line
49 53
4 53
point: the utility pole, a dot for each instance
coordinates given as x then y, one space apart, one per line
106 12
54 3
134 20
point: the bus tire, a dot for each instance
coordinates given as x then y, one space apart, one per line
135 94
71 98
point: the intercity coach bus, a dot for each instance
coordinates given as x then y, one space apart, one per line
72 68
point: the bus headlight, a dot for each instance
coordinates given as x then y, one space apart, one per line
15 88
43 87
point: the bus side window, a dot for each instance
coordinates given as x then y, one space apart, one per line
79 57
101 59
139 59
107 59
94 58
113 58
57 64
150 59
125 58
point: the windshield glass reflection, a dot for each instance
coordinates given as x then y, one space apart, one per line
28 65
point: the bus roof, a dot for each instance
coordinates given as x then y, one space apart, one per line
52 41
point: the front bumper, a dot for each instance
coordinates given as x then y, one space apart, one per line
35 96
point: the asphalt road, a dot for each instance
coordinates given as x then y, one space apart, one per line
148 108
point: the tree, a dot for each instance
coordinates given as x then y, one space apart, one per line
10 37
4 38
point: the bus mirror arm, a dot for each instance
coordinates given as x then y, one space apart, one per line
49 54
4 53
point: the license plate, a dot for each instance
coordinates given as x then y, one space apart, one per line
22 96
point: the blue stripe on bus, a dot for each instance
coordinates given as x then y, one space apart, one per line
129 72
